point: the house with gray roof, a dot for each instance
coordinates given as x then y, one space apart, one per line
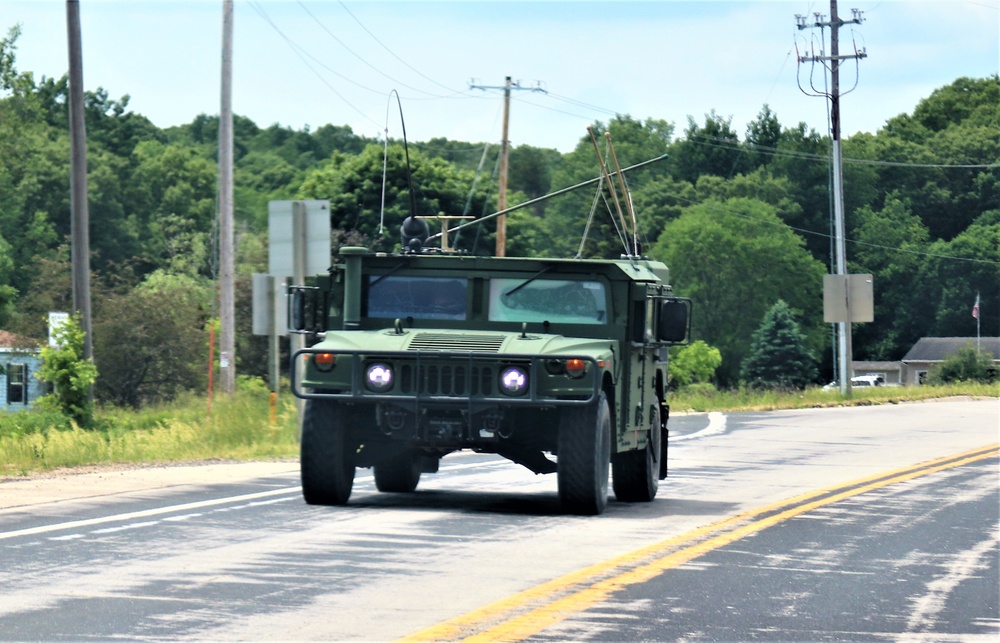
929 352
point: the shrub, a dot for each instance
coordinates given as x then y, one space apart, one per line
967 365
65 367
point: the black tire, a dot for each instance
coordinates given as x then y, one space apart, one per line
326 454
399 474
637 473
584 457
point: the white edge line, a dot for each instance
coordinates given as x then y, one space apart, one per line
716 426
146 513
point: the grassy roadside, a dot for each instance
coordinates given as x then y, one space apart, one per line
240 429
706 398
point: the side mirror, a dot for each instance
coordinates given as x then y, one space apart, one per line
675 319
302 308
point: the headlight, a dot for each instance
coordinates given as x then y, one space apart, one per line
378 378
513 381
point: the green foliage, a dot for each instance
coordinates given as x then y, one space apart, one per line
693 364
712 149
967 365
353 184
238 429
778 357
889 242
150 340
72 375
735 259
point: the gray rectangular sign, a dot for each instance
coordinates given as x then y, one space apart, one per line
839 290
281 261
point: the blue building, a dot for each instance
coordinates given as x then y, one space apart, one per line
20 359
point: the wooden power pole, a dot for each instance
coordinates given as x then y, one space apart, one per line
501 249
501 246
79 211
227 307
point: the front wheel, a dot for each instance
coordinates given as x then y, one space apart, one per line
583 458
326 454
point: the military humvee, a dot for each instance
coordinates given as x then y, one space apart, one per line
424 353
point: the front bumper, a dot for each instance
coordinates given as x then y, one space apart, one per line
458 380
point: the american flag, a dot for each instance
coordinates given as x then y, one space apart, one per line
975 308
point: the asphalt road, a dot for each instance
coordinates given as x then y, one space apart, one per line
867 523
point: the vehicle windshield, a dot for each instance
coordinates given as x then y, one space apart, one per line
553 300
396 296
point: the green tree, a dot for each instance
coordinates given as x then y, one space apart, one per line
735 259
150 340
888 244
713 148
763 137
778 356
953 272
693 364
64 366
353 184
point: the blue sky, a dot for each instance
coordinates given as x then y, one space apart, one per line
669 59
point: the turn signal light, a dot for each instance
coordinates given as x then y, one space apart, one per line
576 367
324 361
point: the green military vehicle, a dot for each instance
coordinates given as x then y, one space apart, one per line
424 353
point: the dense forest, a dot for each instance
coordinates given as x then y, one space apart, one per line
743 221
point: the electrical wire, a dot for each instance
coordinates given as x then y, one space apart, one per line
353 53
393 54
720 210
296 49
715 141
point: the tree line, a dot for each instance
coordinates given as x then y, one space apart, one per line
743 221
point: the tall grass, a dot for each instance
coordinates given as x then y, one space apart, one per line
707 398
238 429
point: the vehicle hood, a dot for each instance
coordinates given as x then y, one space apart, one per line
501 343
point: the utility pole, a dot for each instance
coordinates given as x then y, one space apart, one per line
227 307
501 248
844 348
79 210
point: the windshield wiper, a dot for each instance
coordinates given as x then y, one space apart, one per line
528 280
391 270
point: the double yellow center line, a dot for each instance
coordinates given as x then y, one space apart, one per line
526 613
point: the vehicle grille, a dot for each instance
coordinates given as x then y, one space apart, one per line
452 342
447 379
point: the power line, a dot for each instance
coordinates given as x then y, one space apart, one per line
295 48
359 57
773 151
393 54
721 210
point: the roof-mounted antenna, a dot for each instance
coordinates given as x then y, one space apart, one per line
406 152
625 195
607 179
